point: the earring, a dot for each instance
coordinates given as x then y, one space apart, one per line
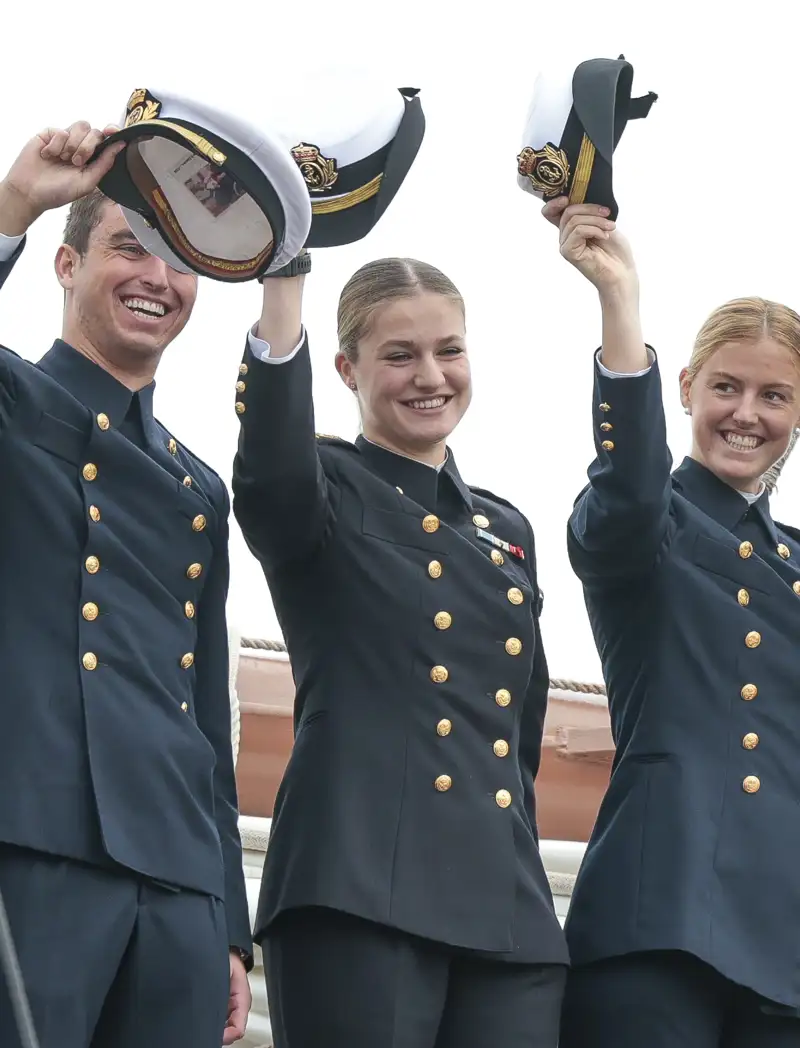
687 411
353 386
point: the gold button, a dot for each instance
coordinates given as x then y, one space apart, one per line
503 798
750 741
513 646
752 784
497 557
605 407
173 446
501 748
745 550
199 522
94 513
187 482
89 471
188 609
103 421
187 661
399 488
243 369
515 595
184 706
749 692
480 521
240 408
606 427
444 727
607 445
796 587
90 611
743 597
784 551
435 569
443 783
503 697
241 387
430 523
89 661
439 674
753 639
92 565
193 571
443 620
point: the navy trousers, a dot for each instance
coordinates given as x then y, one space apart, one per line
111 960
336 981
668 999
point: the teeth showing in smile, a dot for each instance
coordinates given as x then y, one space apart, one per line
141 307
426 405
742 443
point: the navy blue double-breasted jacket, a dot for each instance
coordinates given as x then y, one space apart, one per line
694 600
421 682
115 736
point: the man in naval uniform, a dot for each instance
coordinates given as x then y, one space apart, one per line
120 858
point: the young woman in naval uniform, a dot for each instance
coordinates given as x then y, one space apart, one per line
684 928
404 901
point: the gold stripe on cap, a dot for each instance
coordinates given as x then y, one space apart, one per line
356 196
202 145
583 172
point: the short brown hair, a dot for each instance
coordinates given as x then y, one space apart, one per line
381 281
84 215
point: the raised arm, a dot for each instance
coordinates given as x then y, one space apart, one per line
620 522
282 500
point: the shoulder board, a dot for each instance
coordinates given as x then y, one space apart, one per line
484 493
330 440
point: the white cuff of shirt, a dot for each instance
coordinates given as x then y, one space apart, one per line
261 349
8 245
620 374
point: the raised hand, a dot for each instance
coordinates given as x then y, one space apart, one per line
591 242
53 169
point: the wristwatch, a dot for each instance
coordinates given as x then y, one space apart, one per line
299 265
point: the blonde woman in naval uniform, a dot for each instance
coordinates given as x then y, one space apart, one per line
684 924
404 900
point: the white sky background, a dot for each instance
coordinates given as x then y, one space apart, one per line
707 187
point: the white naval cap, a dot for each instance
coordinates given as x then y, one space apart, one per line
574 123
205 190
353 137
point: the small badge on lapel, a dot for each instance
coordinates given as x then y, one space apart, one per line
515 551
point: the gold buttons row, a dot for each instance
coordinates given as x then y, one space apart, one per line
89 661
746 550
444 782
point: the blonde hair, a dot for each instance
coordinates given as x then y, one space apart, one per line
748 320
382 281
